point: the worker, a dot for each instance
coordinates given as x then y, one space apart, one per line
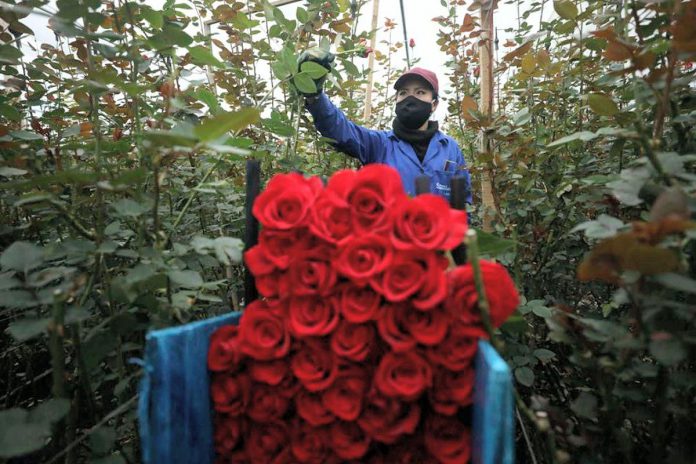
414 147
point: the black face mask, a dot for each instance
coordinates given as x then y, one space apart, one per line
413 112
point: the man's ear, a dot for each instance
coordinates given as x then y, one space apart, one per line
435 103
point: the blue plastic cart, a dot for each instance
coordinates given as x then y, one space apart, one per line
176 425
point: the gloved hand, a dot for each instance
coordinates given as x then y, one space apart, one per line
319 56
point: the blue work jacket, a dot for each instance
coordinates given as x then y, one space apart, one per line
442 160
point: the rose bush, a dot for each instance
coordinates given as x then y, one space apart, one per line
362 347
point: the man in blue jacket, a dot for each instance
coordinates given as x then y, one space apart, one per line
414 147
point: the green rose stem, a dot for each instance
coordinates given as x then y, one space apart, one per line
298 117
55 345
57 330
270 92
539 420
73 221
193 194
483 306
83 372
167 237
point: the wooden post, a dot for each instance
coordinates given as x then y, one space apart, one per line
486 107
459 191
371 63
251 232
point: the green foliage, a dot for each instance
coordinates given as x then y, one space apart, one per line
123 145
591 154
23 431
592 159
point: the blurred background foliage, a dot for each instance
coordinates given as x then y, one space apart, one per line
123 147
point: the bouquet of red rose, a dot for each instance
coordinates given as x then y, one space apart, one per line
361 348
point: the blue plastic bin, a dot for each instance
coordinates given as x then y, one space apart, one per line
175 413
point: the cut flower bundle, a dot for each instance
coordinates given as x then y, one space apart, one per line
361 348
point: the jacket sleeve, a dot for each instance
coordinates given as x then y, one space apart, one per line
364 144
462 170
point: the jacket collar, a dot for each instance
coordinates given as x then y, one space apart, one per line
438 137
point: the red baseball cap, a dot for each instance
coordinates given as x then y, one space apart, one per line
429 76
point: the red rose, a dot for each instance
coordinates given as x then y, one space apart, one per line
353 341
358 304
310 408
341 183
289 386
228 431
310 444
348 440
268 443
312 316
452 389
447 439
263 334
256 259
428 328
372 193
403 375
271 372
230 394
410 272
331 218
280 246
286 202
277 305
363 257
458 348
500 292
312 273
387 419
344 397
315 366
224 353
273 285
434 288
271 282
412 43
392 327
265 404
426 222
